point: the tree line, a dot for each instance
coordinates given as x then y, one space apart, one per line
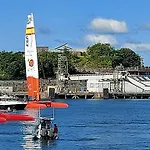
12 64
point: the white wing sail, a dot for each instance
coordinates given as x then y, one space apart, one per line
31 60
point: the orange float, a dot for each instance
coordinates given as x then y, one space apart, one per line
15 117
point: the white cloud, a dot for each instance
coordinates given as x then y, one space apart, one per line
92 38
137 47
108 25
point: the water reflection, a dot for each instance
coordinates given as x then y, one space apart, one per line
28 128
47 143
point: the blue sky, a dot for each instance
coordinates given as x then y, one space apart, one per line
123 23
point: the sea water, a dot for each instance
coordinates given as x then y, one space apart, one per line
86 125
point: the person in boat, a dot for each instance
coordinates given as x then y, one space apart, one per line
55 131
43 124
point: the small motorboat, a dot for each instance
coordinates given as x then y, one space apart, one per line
44 130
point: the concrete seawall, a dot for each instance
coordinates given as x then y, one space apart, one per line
72 90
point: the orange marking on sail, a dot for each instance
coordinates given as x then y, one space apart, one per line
33 88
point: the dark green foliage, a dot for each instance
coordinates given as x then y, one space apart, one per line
103 56
71 61
47 62
99 49
126 57
12 65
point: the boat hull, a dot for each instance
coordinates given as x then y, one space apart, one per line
45 138
13 106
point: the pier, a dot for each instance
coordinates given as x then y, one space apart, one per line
119 95
77 95
88 95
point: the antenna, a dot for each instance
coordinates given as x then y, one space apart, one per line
39 112
52 115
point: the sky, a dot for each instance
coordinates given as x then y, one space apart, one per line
80 23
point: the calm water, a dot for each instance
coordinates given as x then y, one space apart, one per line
87 125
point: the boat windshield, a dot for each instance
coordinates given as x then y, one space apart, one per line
46 123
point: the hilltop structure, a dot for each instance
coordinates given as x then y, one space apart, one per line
77 51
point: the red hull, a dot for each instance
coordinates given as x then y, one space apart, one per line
16 117
2 120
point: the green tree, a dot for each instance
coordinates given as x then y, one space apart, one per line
12 65
47 64
100 50
72 59
126 57
100 55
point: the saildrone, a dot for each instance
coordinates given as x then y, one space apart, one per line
32 74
